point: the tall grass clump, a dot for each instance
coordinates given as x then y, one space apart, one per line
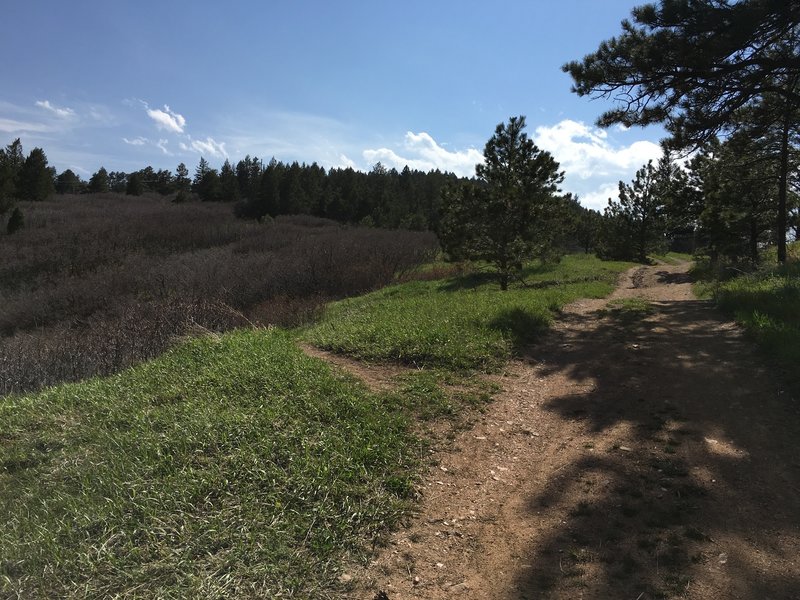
768 305
461 323
232 466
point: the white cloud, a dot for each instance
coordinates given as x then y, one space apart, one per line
80 170
209 146
422 152
586 152
101 114
598 199
289 136
162 145
345 163
63 113
593 162
138 141
166 119
13 126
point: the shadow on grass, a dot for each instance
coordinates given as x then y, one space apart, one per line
469 282
482 278
522 326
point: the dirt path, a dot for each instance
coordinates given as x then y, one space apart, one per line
632 457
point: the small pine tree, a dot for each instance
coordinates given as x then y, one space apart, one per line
634 225
35 178
134 185
506 216
99 181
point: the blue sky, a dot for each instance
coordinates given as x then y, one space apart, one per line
125 85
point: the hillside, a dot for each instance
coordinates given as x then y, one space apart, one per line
539 442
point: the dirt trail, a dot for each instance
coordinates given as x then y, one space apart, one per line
636 457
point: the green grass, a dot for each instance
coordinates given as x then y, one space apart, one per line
768 305
230 467
766 302
462 323
673 258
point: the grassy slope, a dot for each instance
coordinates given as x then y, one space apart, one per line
231 466
235 465
461 323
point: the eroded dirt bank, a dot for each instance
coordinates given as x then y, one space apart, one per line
631 455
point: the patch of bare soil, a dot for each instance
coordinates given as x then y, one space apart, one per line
378 377
637 458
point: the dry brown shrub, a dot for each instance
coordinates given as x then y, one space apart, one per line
94 284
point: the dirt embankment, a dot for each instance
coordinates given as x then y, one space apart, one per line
630 455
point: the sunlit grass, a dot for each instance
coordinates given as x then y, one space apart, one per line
233 466
460 323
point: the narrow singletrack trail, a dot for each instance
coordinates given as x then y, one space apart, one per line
630 455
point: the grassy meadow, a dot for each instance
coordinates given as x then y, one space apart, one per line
231 466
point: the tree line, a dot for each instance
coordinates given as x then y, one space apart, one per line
722 203
382 197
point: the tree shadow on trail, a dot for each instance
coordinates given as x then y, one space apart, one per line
692 489
679 277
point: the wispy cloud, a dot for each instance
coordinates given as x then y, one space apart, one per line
61 112
166 119
207 147
420 151
138 141
289 136
344 163
14 126
162 145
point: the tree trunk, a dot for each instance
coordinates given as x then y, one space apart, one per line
753 239
503 267
782 188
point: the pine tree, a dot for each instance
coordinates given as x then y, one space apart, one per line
98 183
182 182
134 186
228 183
696 66
11 161
200 172
68 183
634 225
35 178
503 218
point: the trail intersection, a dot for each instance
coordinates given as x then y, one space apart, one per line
642 450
